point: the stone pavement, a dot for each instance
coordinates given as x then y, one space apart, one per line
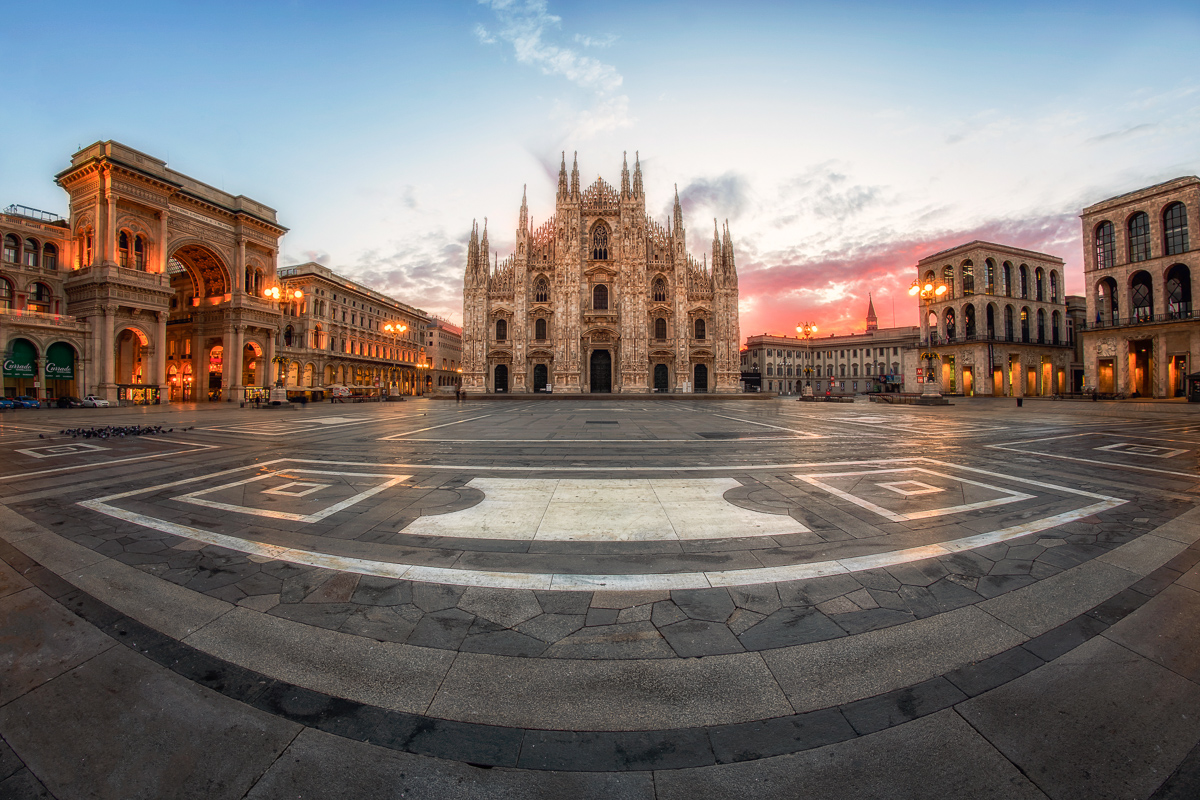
637 599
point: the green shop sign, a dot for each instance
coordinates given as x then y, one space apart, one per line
60 362
20 360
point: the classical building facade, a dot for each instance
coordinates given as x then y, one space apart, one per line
600 298
1001 326
336 334
1138 266
444 343
876 360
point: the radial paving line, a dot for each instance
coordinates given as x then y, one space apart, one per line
1111 464
805 434
430 428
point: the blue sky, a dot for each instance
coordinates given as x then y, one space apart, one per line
842 141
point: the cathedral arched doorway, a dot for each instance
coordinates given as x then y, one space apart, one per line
660 378
701 383
601 372
541 376
501 381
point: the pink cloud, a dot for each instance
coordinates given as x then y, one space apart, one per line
780 289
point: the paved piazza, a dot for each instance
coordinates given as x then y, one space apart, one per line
656 598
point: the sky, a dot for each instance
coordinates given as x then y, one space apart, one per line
842 141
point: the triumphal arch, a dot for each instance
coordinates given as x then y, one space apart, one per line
174 276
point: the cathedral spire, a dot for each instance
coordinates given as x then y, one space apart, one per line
473 248
562 177
678 213
524 221
872 320
625 193
637 175
716 246
483 244
575 177
727 251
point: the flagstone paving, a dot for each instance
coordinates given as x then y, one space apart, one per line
634 599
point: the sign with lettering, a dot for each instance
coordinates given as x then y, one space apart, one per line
20 362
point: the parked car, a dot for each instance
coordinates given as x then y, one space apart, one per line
91 401
69 402
7 403
25 401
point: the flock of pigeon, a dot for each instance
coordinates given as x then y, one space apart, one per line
116 431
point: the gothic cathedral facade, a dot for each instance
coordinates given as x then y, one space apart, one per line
601 298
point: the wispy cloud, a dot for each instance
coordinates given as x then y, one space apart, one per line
1122 134
530 28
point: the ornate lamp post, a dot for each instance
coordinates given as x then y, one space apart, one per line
395 329
928 291
807 329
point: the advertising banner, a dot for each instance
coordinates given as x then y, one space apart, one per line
20 362
60 363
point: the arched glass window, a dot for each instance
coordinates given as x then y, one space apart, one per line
950 324
123 246
50 256
1175 232
1139 236
541 291
600 298
12 249
1039 283
854 370
841 370
39 298
539 329
770 369
659 292
969 321
968 278
1107 309
288 336
990 321
1024 324
1053 286
1141 297
1024 272
989 276
1041 326
6 295
1105 246
700 329
660 328
501 330
948 279
1008 323
1007 279
600 243
139 253
32 253
1056 328
1179 291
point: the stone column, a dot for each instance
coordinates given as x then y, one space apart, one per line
160 358
227 362
268 379
107 385
162 241
239 272
239 345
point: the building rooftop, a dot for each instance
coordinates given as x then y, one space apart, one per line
1147 191
979 244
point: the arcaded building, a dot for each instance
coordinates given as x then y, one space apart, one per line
1138 266
600 298
1000 328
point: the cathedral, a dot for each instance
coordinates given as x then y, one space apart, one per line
602 299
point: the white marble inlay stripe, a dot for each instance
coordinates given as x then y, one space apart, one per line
1010 496
197 498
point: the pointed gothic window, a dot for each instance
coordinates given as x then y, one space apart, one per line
600 298
541 291
659 292
600 243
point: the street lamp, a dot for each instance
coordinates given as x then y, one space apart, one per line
928 291
807 329
395 329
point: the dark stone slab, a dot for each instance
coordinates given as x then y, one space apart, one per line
564 602
9 763
1066 637
714 605
1166 630
23 785
695 637
602 616
872 619
902 705
996 671
790 626
753 740
503 642
596 751
1119 606
991 586
444 629
1156 581
322 615
376 591
552 627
